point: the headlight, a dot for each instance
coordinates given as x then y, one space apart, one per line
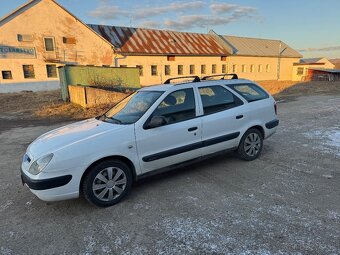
39 165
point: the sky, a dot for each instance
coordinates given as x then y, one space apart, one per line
310 26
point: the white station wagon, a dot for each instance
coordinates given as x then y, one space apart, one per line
156 128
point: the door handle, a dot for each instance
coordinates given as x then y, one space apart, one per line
192 129
239 117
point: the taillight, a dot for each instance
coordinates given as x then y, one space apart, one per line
275 108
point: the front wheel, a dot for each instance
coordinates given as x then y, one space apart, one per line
251 145
107 183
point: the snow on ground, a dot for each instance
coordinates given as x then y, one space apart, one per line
328 141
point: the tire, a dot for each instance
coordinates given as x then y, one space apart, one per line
107 183
251 145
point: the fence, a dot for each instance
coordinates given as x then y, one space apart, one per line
126 77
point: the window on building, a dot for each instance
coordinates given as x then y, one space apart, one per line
192 69
267 68
234 68
203 69
49 44
28 71
180 69
167 70
7 75
213 68
252 69
224 68
51 71
153 70
25 38
244 68
140 67
260 68
69 40
223 58
299 71
171 58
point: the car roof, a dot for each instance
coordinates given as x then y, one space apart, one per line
203 83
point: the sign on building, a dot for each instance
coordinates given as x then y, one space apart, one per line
17 52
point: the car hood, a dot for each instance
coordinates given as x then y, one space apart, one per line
70 134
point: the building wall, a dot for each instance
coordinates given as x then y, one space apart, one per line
264 68
147 78
161 61
46 19
300 72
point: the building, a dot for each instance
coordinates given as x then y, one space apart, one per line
259 59
164 54
161 54
301 68
38 37
41 35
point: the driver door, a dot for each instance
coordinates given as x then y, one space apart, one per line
178 139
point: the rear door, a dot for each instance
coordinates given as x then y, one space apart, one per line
222 119
176 141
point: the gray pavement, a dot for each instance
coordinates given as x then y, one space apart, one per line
286 202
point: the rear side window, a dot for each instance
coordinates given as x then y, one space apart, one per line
250 92
217 98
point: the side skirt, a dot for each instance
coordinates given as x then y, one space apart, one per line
183 164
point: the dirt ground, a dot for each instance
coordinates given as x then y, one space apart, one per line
49 105
285 202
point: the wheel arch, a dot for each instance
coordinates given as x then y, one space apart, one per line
259 128
113 157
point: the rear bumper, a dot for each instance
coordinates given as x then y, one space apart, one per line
45 184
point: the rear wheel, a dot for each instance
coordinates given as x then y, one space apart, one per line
107 183
251 145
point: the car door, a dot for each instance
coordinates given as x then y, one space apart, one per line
221 120
178 139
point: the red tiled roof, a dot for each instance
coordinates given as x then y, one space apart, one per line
139 41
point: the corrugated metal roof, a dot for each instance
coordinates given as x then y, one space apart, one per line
245 46
141 41
310 60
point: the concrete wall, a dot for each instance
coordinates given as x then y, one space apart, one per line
89 97
46 19
29 86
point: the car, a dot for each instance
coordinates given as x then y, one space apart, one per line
154 129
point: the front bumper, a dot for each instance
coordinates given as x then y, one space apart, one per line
45 183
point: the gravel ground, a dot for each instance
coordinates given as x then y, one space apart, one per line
286 202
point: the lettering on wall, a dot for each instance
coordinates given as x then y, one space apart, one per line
12 52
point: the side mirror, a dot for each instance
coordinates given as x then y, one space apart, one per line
156 121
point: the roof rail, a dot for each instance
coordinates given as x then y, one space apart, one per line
195 79
234 76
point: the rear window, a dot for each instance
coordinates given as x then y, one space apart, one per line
250 92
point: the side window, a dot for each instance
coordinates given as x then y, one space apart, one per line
250 92
177 106
217 98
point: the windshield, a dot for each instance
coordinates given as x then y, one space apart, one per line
130 109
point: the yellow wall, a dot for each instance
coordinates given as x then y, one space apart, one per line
286 67
48 19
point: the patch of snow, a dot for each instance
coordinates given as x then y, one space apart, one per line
6 205
328 140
